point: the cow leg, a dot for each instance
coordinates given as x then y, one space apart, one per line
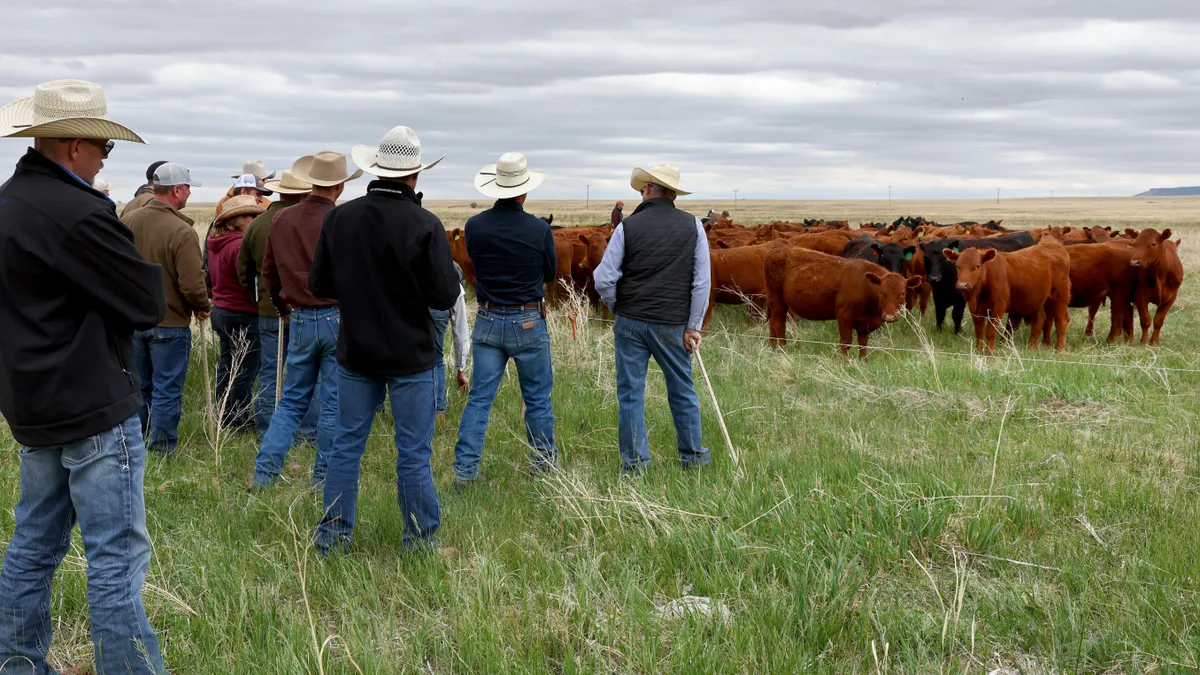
1036 324
990 329
939 314
1142 300
980 331
845 335
712 303
957 312
863 336
1160 316
777 313
1090 329
925 292
1062 319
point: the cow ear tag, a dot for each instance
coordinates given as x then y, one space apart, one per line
908 256
956 250
456 236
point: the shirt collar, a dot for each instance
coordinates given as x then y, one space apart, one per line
316 199
508 205
654 203
81 181
394 189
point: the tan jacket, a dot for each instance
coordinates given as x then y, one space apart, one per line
142 197
165 237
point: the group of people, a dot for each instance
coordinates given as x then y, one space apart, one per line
98 312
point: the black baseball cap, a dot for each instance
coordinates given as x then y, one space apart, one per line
151 169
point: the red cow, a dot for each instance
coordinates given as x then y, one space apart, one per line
831 242
1033 283
1100 272
738 277
1160 276
861 296
458 250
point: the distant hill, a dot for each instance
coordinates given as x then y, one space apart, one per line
1171 192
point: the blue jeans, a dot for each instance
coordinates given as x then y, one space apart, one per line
312 356
162 361
412 410
97 481
441 319
500 335
237 333
268 367
635 342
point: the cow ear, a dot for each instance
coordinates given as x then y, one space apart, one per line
988 255
914 282
910 252
584 239
874 278
951 254
721 243
1131 232
457 233
1166 234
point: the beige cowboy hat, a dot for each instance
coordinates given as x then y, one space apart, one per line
63 109
324 169
240 205
663 174
397 155
288 185
507 178
256 167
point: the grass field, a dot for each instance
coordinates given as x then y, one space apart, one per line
930 511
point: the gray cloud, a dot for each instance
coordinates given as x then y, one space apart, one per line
803 100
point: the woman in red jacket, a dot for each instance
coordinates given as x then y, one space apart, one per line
234 315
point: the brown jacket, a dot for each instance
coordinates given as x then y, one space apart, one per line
142 197
290 247
165 236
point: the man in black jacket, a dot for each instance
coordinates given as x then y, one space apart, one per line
387 262
73 288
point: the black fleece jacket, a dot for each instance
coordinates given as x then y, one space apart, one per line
73 288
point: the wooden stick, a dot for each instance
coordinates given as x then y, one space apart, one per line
279 363
209 417
737 469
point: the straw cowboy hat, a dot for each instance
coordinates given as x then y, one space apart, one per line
510 177
324 169
63 109
397 155
288 185
240 205
664 174
256 167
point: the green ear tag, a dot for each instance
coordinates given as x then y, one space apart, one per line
908 256
956 250
456 236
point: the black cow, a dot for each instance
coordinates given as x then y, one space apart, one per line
943 274
549 219
890 255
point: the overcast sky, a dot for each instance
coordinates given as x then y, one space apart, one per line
819 99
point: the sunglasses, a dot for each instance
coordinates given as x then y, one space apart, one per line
106 147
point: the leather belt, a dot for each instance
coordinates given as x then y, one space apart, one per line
532 305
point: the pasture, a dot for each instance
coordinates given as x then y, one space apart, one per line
929 511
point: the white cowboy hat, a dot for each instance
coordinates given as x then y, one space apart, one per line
663 174
256 167
63 109
288 185
510 177
324 169
398 155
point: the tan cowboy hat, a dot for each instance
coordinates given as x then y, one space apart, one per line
63 109
240 205
288 185
510 177
324 169
663 174
256 167
397 155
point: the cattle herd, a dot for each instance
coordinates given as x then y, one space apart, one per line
863 277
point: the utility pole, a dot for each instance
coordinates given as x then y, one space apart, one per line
587 200
889 197
997 195
735 198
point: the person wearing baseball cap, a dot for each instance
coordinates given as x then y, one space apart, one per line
73 290
247 184
144 194
164 235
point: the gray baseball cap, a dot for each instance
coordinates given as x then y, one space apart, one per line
171 174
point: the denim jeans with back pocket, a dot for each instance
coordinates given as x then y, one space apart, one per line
500 335
162 356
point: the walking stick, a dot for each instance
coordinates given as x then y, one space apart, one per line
279 363
208 393
737 469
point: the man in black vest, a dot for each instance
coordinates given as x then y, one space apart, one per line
655 277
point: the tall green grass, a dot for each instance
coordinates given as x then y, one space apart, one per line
928 511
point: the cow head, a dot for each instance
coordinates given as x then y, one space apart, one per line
596 243
892 291
970 266
936 267
1148 247
893 256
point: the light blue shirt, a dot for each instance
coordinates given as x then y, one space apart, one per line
608 273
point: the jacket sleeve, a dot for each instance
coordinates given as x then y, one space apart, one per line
462 331
442 288
98 255
549 259
189 266
247 270
320 274
270 274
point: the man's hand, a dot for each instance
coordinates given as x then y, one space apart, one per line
463 383
691 340
203 316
